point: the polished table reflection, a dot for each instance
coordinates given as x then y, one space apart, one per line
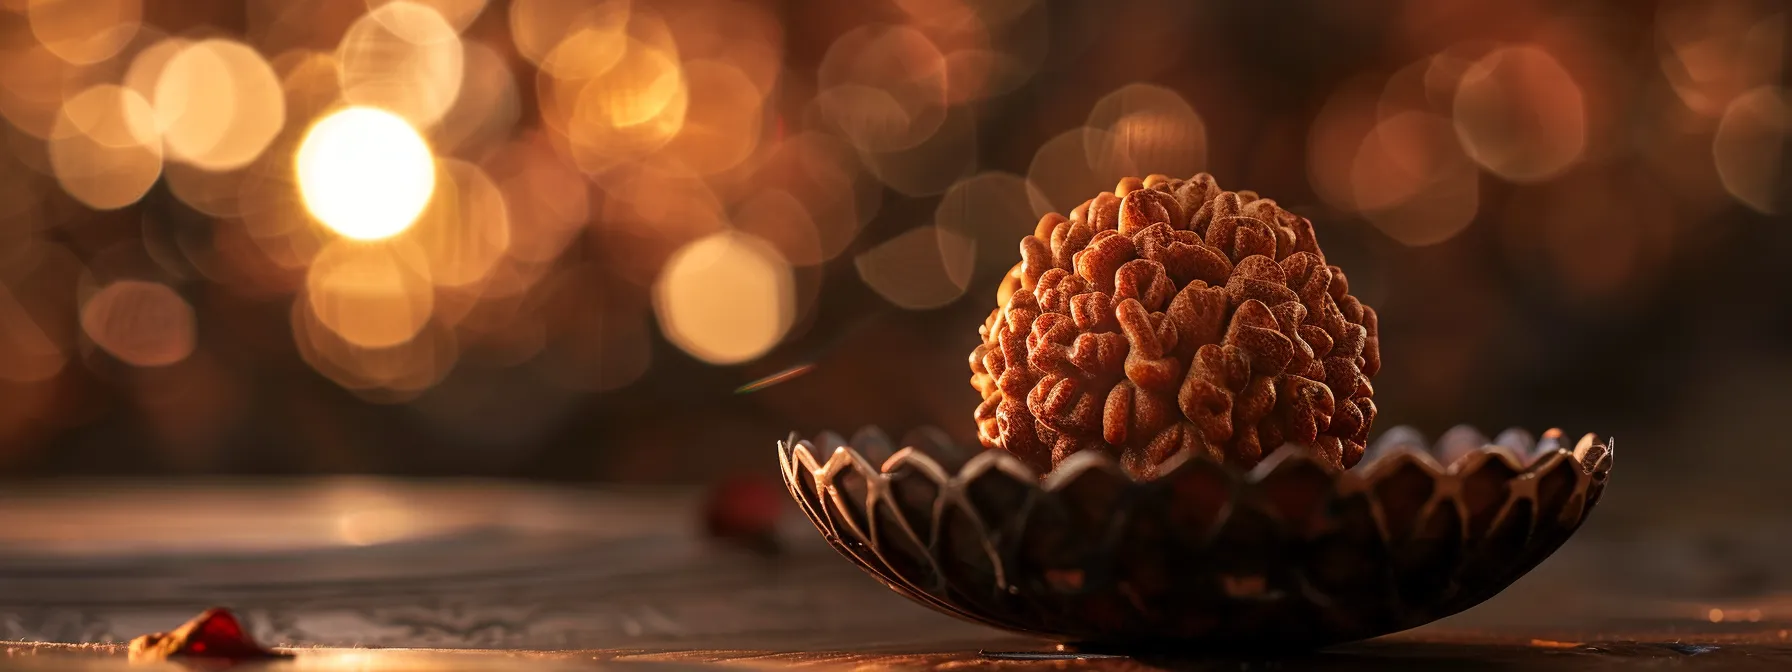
378 574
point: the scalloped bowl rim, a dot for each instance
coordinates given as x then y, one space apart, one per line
1074 467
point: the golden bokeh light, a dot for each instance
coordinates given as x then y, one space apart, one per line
1399 157
589 32
777 217
651 211
403 57
365 173
547 201
1713 51
405 371
549 205
822 172
722 122
864 116
931 166
465 231
743 34
34 84
104 148
1063 176
613 88
725 299
884 87
1750 148
268 268
1437 78
1520 114
218 104
992 47
141 323
275 221
1385 148
84 31
529 200
630 110
147 65
313 87
963 36
597 38
1336 138
1412 181
488 109
274 218
458 13
925 267
278 27
557 96
381 374
994 210
214 194
373 295
454 303
957 12
1153 127
969 70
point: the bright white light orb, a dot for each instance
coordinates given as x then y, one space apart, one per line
365 173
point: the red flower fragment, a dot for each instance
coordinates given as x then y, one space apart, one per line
744 510
215 634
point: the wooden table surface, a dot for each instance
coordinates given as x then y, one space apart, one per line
392 575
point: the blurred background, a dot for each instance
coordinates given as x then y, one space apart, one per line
640 241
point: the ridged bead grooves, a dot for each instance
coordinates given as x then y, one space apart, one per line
1169 316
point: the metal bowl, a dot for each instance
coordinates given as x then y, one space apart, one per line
1289 554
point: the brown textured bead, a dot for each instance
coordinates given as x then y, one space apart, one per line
1172 316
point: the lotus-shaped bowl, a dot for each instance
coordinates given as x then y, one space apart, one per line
1290 554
